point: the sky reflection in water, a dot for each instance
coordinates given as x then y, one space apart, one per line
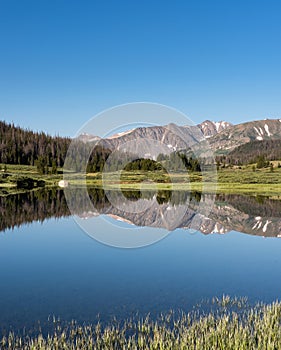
55 268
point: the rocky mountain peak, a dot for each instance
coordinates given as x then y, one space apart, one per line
210 128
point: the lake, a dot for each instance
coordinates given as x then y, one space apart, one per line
51 266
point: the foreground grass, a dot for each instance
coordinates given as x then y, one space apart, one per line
255 328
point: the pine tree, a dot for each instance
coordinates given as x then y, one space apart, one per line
54 167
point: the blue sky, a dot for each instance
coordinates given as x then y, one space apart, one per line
63 61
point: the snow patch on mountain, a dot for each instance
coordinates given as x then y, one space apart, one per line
267 129
265 226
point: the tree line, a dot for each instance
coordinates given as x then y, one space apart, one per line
179 161
26 147
260 152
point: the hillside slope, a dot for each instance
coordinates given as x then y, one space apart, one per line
236 135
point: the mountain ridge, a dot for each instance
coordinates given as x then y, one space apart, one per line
239 134
222 137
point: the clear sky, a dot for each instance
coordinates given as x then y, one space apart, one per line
63 61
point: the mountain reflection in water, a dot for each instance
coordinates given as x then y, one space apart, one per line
245 214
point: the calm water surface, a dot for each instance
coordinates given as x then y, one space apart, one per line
53 268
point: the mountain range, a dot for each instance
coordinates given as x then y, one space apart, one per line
222 137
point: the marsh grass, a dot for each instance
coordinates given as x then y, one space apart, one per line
240 181
235 180
226 328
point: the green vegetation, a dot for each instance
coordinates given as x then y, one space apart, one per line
240 180
259 152
25 147
250 152
230 327
179 161
236 179
19 178
262 162
143 164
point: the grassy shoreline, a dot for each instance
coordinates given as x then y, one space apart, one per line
239 181
230 326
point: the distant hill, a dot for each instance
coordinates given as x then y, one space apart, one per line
249 152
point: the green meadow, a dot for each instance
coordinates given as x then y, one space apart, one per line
240 180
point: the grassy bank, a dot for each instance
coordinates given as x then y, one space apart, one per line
236 180
253 328
19 178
